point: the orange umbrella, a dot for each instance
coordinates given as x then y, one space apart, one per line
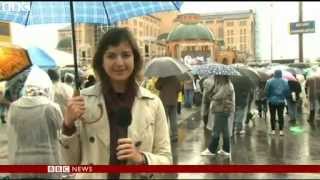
13 60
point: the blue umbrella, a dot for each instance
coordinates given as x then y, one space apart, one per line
39 57
95 12
216 69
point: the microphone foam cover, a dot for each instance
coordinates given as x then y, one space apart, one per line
123 115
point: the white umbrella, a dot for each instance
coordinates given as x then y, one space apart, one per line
164 67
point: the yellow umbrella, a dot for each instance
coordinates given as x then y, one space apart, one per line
13 60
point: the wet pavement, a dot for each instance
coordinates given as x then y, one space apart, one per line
256 146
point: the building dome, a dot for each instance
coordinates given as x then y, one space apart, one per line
190 32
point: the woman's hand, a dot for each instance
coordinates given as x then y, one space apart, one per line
127 150
75 109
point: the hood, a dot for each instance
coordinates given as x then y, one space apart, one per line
278 74
39 79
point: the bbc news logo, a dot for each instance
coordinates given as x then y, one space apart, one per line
70 169
15 6
58 169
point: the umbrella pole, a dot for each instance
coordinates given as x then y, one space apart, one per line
76 73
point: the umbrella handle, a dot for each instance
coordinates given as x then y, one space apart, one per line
76 92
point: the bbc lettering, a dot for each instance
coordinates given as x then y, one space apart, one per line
70 169
58 169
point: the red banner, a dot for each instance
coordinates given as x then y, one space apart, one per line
162 169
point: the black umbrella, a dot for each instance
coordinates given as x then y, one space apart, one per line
251 74
263 75
242 83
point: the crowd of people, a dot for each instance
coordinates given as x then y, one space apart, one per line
274 95
116 120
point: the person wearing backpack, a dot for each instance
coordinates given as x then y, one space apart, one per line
277 90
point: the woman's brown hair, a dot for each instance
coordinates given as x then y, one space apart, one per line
111 38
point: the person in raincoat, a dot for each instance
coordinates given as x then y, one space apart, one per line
197 91
33 124
222 106
242 101
277 90
293 99
116 121
188 93
261 100
150 85
312 89
4 103
90 81
169 88
62 91
69 79
179 103
205 103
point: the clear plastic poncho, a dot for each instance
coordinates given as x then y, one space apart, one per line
33 124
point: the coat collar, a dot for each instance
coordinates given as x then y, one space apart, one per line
96 91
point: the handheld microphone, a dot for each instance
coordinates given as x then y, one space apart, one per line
123 117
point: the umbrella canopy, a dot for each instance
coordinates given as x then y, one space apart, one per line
288 76
263 75
295 70
258 64
185 76
216 69
61 58
164 67
39 57
242 83
285 75
249 72
291 69
13 60
299 65
311 71
95 12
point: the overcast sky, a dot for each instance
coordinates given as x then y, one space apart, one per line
281 14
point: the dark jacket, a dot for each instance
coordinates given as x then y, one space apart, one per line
277 89
169 88
294 86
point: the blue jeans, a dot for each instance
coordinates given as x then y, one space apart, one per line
171 112
221 125
292 110
240 117
188 101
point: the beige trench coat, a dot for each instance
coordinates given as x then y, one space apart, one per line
90 143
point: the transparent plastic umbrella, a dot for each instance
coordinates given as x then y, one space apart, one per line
216 69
